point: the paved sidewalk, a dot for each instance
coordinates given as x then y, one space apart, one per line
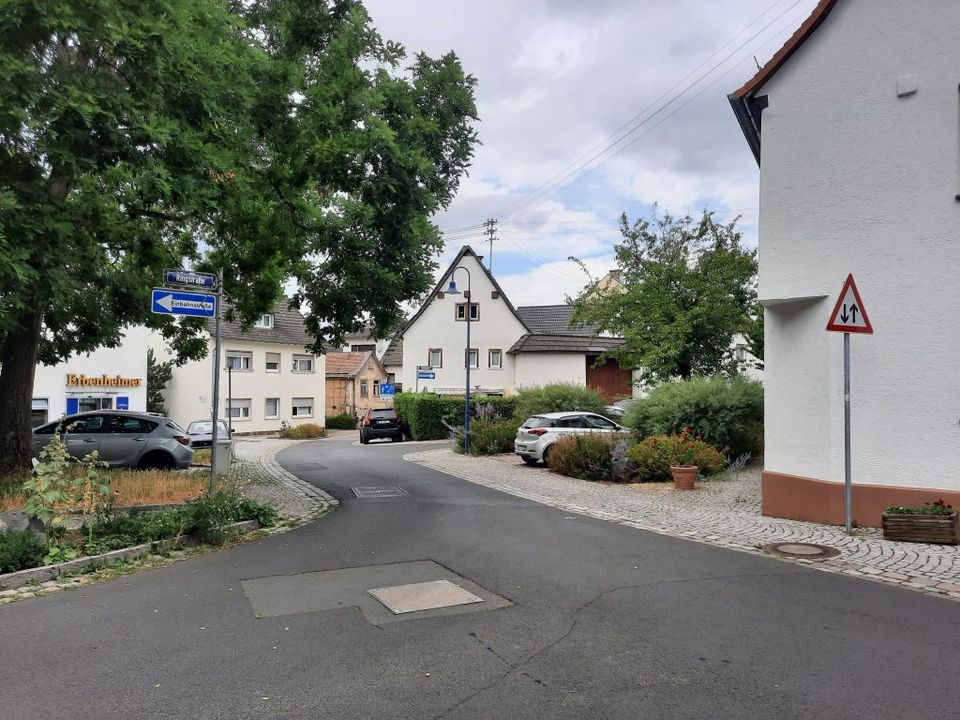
719 512
294 498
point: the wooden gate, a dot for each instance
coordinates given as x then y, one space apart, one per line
609 379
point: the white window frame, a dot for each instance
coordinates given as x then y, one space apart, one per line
499 365
266 411
264 322
301 403
242 355
297 359
439 352
241 405
468 356
461 313
267 361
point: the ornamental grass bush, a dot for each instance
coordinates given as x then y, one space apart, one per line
725 412
655 454
587 457
306 431
557 397
490 437
343 421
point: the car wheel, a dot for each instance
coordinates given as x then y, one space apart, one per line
530 460
157 461
546 456
397 438
363 439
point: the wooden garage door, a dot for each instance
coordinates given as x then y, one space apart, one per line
609 379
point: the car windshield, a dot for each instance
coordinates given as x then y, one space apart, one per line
203 427
538 422
382 413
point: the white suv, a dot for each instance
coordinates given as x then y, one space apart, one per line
539 432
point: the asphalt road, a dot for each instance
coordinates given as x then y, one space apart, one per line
605 622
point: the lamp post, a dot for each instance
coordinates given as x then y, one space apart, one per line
452 290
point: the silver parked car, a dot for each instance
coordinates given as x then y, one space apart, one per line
123 439
539 432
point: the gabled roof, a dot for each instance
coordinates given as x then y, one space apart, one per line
464 251
553 320
743 100
564 344
393 355
347 364
288 328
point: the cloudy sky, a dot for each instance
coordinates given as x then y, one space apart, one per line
589 108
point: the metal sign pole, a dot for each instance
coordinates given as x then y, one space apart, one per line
847 480
216 383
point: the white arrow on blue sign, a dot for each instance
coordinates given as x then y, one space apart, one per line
173 302
425 375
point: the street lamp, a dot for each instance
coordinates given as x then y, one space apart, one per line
452 290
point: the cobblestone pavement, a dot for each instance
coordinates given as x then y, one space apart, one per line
723 512
294 498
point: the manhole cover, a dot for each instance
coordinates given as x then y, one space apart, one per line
807 551
423 596
379 492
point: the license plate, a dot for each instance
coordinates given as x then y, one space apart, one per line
381 422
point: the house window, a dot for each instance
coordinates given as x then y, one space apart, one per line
271 407
362 348
265 322
473 356
364 391
237 360
39 412
303 363
302 407
376 388
741 352
272 363
88 404
436 358
495 359
462 311
238 409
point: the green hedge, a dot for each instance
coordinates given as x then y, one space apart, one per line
423 414
343 421
490 437
727 413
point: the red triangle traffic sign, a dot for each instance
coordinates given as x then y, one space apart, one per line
849 315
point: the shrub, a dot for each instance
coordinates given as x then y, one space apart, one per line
727 413
305 431
426 416
655 454
20 549
557 397
490 437
588 457
343 421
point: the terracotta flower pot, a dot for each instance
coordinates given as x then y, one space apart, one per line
684 476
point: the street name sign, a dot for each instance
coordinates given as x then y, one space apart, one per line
388 389
190 278
425 375
175 302
849 315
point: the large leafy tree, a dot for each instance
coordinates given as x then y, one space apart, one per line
687 286
275 139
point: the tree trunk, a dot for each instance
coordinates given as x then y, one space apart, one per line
18 365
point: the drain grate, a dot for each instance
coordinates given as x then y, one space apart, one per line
379 492
807 551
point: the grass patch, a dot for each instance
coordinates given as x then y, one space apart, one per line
305 431
202 456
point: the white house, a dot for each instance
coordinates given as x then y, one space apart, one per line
510 347
272 377
854 123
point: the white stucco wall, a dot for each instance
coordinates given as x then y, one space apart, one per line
855 179
129 361
188 395
497 327
542 368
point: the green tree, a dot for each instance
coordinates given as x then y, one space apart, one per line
687 287
158 375
275 139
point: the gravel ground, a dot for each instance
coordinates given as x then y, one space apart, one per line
722 511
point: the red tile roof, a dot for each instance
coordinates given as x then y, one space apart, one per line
346 364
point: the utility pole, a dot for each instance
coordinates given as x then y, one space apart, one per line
491 225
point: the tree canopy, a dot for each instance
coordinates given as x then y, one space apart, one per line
276 139
687 287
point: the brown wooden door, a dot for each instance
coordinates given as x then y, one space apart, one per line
609 379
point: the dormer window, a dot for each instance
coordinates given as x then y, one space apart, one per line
462 311
265 322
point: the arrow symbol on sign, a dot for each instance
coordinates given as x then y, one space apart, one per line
166 302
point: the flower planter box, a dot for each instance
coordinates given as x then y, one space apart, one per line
939 529
684 476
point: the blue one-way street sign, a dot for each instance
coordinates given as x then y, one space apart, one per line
173 302
426 375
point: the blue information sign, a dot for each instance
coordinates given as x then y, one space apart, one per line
426 375
388 389
123 403
189 277
175 302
